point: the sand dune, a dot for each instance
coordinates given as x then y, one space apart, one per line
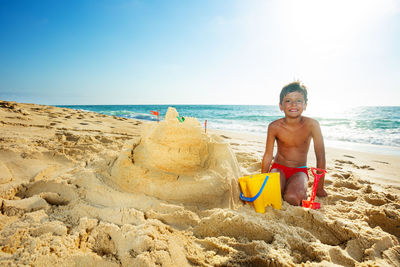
80 188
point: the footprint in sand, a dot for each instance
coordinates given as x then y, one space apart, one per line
346 180
342 175
347 184
335 198
375 200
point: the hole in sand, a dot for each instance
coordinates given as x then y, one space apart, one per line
53 193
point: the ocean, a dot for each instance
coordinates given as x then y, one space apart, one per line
374 129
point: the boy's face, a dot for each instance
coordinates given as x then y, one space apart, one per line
293 104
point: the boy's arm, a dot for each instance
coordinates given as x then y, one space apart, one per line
269 150
319 149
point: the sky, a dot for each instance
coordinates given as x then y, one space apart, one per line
199 52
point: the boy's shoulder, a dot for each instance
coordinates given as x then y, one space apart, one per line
309 120
276 123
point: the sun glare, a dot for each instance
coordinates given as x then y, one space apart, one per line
330 46
326 109
322 27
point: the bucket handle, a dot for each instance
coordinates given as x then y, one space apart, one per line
251 199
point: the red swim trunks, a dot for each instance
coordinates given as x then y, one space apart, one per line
288 171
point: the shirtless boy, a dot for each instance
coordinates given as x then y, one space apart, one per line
293 135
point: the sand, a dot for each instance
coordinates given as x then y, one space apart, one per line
83 189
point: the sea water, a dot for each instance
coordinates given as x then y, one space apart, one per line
374 129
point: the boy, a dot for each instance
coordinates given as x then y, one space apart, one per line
293 135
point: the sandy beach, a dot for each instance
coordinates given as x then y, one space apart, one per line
84 189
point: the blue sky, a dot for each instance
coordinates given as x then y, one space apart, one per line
200 51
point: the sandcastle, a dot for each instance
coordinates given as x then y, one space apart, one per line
178 162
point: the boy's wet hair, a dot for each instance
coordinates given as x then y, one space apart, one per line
294 87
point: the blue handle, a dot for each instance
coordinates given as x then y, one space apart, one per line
251 199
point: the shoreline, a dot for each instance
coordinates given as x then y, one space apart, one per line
359 145
335 144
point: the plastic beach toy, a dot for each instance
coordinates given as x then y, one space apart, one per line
181 119
310 203
261 190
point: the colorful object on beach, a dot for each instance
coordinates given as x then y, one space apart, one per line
310 203
157 113
205 126
261 190
181 119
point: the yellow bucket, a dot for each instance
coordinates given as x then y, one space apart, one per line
261 190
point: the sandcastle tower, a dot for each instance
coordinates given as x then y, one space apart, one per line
178 162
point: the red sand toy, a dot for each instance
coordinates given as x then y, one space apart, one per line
310 203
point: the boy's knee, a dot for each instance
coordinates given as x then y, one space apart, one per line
293 199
